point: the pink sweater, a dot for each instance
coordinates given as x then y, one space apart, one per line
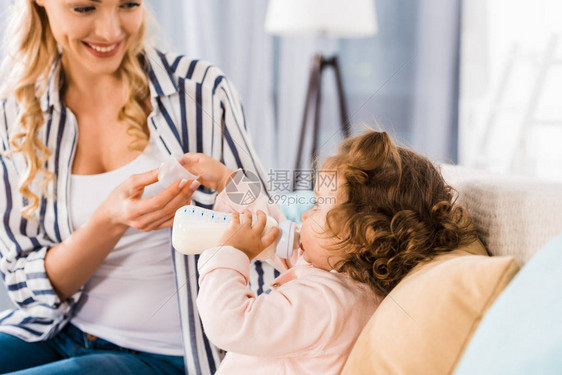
306 325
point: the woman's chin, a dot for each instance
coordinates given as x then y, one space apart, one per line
104 68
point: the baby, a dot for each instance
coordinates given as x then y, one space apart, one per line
390 210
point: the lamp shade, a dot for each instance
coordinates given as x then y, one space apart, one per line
332 18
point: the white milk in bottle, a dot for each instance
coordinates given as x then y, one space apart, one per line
196 229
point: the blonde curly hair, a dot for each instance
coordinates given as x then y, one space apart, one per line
31 51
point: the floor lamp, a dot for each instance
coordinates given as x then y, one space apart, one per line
311 117
321 18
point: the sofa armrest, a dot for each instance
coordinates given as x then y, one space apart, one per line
513 215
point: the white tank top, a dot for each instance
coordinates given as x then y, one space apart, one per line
131 298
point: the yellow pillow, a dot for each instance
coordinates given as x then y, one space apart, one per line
424 324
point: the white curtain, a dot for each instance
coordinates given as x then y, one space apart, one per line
511 85
435 108
404 79
4 8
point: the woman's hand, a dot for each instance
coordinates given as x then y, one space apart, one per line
125 207
211 172
248 238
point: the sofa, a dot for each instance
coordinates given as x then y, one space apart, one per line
473 311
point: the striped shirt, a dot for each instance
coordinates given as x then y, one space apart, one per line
195 109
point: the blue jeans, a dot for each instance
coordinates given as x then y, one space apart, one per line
74 352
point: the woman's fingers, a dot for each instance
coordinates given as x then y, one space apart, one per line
152 212
165 222
137 182
155 220
159 224
193 187
161 199
189 158
190 161
211 172
164 218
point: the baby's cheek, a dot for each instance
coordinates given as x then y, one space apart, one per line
305 233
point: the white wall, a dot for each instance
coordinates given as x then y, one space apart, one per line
511 86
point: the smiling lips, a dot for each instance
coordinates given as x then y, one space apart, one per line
102 50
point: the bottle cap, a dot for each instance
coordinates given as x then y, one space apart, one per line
171 170
286 239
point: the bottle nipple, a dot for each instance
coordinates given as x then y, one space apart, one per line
171 170
289 237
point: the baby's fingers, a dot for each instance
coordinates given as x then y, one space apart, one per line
246 219
270 237
235 221
259 225
232 229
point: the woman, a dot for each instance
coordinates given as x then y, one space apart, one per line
88 114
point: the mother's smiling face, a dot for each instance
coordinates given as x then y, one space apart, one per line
94 34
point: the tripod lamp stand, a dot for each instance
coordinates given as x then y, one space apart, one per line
321 18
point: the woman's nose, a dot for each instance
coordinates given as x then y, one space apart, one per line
109 26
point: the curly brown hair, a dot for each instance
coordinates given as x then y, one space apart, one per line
398 211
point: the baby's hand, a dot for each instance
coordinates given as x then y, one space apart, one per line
248 238
211 172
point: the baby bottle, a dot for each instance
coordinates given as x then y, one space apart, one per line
171 170
196 229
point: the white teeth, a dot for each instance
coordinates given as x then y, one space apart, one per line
102 49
